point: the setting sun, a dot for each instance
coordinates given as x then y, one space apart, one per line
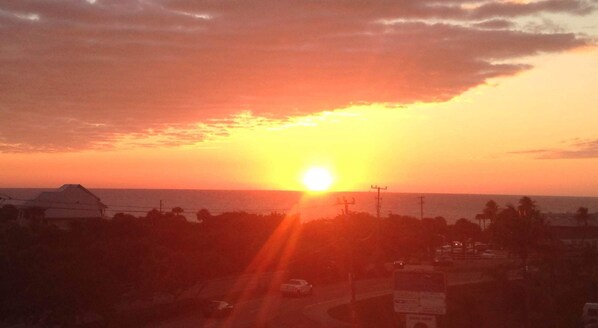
317 179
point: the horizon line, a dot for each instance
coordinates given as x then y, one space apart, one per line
315 193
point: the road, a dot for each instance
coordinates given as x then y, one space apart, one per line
273 310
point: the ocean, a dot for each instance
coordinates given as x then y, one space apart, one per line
310 206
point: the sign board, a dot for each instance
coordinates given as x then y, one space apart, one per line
420 292
420 321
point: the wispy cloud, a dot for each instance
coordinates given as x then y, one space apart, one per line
575 149
82 74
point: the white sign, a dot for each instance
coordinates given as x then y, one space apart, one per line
421 321
420 292
422 302
406 302
433 303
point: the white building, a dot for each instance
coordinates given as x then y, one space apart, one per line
69 203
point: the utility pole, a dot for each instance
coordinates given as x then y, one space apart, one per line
350 240
160 206
379 255
421 206
378 199
346 203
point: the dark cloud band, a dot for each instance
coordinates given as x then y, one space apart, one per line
80 75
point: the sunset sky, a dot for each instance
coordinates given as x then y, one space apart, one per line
447 96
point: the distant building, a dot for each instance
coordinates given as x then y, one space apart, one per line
68 204
572 232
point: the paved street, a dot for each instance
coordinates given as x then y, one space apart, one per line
273 310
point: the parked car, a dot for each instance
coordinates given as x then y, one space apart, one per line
443 261
296 287
216 309
398 264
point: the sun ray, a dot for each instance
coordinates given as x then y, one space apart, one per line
273 256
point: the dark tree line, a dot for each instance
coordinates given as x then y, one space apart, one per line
98 265
325 246
556 280
53 275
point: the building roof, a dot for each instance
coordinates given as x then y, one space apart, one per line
569 220
69 201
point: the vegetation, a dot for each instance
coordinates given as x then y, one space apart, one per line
47 274
52 275
99 265
521 229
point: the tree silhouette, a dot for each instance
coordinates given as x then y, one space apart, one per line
177 211
527 207
490 210
466 232
176 214
35 214
481 221
154 215
203 215
522 230
9 213
433 232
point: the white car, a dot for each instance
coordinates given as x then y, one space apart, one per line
296 287
489 254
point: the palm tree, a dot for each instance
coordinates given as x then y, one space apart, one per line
527 207
490 211
522 230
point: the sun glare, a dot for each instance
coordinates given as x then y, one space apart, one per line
317 179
